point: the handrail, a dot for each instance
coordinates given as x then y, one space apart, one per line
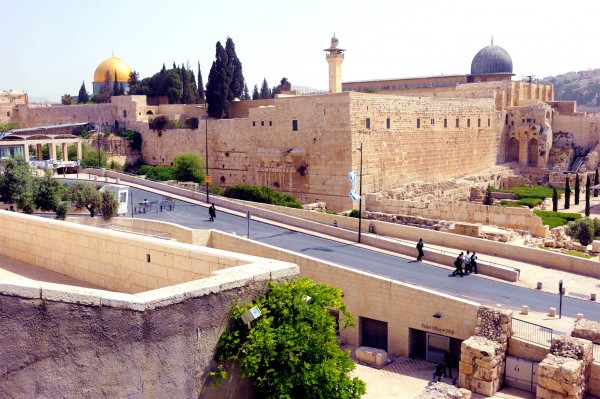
532 332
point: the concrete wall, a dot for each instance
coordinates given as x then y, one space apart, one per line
113 260
69 342
401 305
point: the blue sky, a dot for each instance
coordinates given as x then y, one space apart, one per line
49 47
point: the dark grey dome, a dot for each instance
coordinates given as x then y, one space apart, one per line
491 59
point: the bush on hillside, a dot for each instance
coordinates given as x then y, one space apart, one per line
261 194
582 229
555 219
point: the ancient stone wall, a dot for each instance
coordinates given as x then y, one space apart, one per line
462 211
565 372
559 180
584 131
103 114
482 359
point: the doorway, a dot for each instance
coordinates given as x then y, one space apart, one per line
374 333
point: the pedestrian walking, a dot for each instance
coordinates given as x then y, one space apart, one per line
458 264
438 372
474 262
467 262
420 249
212 212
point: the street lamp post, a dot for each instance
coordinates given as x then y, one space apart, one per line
99 144
206 151
360 193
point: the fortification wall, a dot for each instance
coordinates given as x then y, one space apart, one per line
104 114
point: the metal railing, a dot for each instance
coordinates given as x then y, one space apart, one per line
154 206
532 332
137 230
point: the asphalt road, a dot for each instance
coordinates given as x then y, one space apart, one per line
470 287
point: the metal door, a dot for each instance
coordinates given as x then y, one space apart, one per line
437 345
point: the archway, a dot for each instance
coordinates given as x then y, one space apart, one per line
532 152
512 152
149 113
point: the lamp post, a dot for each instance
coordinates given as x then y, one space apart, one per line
206 150
206 179
360 192
99 144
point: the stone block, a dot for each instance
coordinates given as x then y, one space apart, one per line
374 356
587 329
20 288
596 246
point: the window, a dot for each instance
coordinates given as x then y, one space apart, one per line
8 113
468 122
124 113
432 121
387 123
489 121
253 123
262 123
506 119
368 123
457 122
418 123
270 123
445 122
295 125
478 122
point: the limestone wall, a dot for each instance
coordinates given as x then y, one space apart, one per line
70 342
514 218
128 263
104 114
402 306
526 350
585 130
482 359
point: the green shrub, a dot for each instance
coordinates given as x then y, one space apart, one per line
160 173
354 213
530 202
261 194
583 229
159 123
62 210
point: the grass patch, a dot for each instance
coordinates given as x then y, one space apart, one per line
528 202
578 254
556 219
540 192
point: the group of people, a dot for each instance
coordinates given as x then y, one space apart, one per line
469 261
441 367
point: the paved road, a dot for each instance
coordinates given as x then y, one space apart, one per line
474 288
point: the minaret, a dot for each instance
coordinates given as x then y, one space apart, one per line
335 57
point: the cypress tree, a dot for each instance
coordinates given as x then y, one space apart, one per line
193 90
588 185
488 199
596 182
234 70
255 94
567 194
217 87
115 90
201 96
577 189
246 94
104 95
265 92
554 200
184 86
83 96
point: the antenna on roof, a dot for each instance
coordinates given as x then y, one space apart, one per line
492 40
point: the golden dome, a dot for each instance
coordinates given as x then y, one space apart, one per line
111 65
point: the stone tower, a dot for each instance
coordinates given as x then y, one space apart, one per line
335 57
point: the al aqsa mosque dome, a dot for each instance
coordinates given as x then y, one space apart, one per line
111 65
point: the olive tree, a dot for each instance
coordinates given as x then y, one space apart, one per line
85 195
292 351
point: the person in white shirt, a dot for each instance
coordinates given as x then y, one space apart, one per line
467 261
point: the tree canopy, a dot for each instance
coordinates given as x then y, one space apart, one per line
83 96
291 351
234 70
188 166
217 87
177 84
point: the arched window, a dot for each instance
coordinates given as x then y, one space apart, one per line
149 113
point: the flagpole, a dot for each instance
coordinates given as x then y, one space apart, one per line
360 193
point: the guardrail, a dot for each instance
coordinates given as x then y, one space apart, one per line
137 230
532 332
